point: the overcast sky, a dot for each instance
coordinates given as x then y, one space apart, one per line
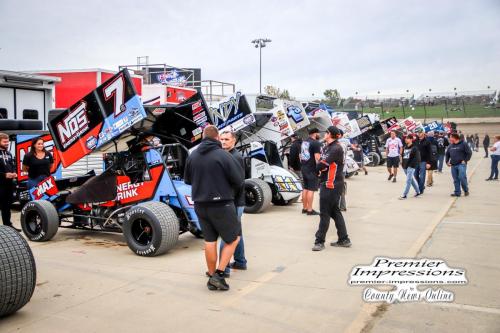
362 46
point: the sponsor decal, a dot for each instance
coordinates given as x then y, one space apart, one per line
407 275
158 111
173 78
73 125
46 186
197 107
295 113
127 190
91 142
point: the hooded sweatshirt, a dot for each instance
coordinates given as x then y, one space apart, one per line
214 174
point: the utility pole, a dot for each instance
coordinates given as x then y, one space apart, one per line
260 43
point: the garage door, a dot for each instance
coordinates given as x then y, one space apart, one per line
7 102
30 104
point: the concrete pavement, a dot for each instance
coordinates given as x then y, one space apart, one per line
94 283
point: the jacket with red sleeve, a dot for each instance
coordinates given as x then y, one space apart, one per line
331 165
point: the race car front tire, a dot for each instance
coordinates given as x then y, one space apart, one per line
258 195
39 220
151 229
17 271
374 159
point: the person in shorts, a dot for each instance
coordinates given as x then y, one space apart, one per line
393 150
309 156
216 177
358 155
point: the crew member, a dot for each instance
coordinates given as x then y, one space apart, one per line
228 140
457 156
294 156
393 150
331 170
37 162
215 177
309 156
7 176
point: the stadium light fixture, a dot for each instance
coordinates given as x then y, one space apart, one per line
260 43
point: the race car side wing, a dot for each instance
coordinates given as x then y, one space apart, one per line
101 116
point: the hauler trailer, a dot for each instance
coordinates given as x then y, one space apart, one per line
26 96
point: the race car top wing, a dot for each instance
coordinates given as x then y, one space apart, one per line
101 116
232 114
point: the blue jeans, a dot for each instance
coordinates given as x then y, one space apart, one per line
440 162
420 173
410 181
494 166
459 174
32 182
239 252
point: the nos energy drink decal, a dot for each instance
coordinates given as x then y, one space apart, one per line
102 115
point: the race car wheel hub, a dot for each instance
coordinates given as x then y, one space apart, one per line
250 198
34 224
142 231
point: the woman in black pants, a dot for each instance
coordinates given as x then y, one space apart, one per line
38 163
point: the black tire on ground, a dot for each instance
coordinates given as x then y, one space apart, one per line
17 271
258 195
151 228
30 125
9 125
39 220
374 159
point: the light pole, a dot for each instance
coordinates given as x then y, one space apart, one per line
260 43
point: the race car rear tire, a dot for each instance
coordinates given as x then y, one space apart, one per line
258 195
39 220
374 159
17 271
151 228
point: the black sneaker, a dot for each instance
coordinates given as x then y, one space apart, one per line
366 173
390 177
312 212
236 265
304 211
402 198
343 243
394 179
318 247
417 195
218 282
454 195
466 194
488 179
227 275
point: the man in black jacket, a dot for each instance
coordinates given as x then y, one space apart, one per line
7 176
215 177
411 159
486 144
294 156
228 141
457 156
425 149
331 169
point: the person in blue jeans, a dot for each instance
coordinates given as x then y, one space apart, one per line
442 144
425 149
411 158
495 158
228 141
457 156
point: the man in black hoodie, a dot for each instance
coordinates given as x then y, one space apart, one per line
215 177
457 156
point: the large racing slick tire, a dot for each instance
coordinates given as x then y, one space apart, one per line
258 195
17 271
374 159
39 220
151 228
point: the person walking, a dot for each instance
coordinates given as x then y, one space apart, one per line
393 150
457 156
215 177
309 156
442 144
331 170
358 155
228 141
433 160
495 157
486 144
410 161
476 142
7 176
37 163
425 149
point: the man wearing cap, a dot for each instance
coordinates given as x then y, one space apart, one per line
331 170
309 156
